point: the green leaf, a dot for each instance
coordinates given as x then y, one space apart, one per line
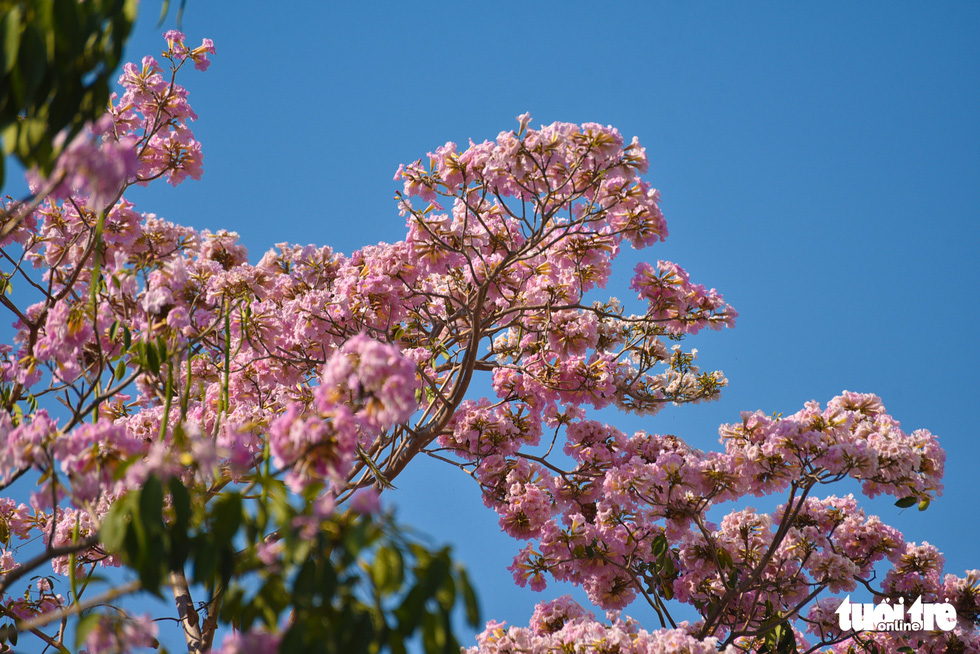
375 470
232 606
148 551
433 634
67 28
152 358
396 642
446 594
780 640
32 62
179 540
181 500
112 533
387 570
8 632
433 576
205 559
130 7
226 518
659 546
924 503
164 8
327 580
123 467
294 640
272 599
31 134
470 601
410 611
151 505
725 558
10 38
9 135
305 587
906 502
84 628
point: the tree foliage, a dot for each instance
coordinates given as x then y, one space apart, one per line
223 429
56 66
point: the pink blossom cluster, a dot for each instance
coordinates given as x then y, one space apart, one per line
249 642
483 428
96 163
315 359
366 387
852 437
562 625
121 634
38 599
143 135
682 306
71 341
176 356
585 170
828 543
915 573
580 181
593 523
179 52
15 519
157 110
64 526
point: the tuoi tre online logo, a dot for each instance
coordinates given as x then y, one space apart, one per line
921 616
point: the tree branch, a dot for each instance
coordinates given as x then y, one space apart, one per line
188 615
78 607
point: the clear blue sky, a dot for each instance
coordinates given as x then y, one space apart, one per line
819 165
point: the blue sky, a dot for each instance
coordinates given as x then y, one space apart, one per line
819 165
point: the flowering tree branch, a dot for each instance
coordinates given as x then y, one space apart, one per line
226 427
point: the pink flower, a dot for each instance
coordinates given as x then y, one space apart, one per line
249 642
522 121
95 164
199 54
121 634
366 501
